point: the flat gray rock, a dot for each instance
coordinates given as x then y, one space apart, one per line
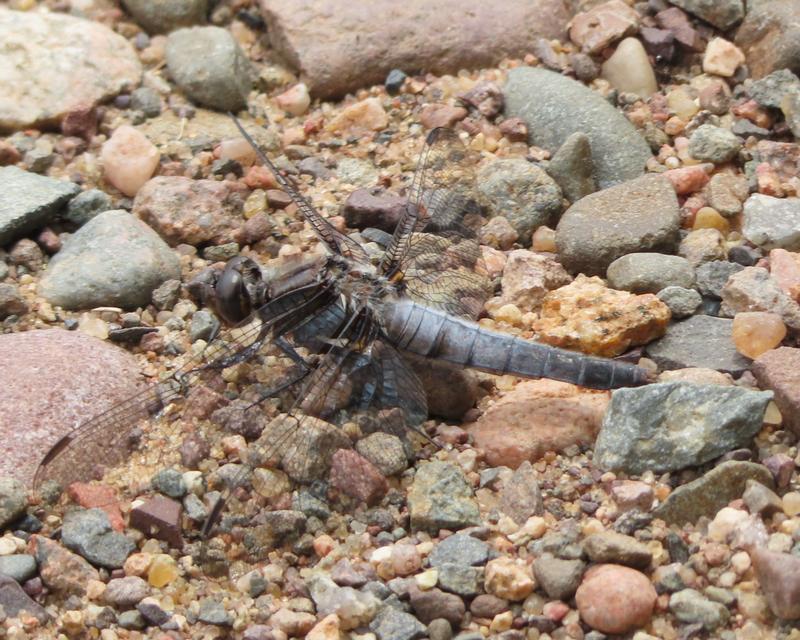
88 532
163 17
772 223
441 498
700 341
13 601
53 63
555 107
29 201
339 45
673 425
461 549
210 67
113 260
572 167
635 216
650 272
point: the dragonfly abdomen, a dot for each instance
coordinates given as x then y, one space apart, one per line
432 333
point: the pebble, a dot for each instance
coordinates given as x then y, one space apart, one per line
762 500
771 90
19 566
714 144
86 205
13 500
152 611
353 608
768 37
126 592
434 603
590 234
30 201
602 25
394 81
135 261
778 575
609 547
722 58
487 606
753 289
712 277
521 497
528 277
161 571
558 577
686 180
295 100
204 326
700 341
360 118
650 272
129 159
167 16
441 115
441 498
360 173
711 492
55 64
779 371
723 14
682 302
394 624
158 517
459 549
89 533
212 611
210 67
691 607
147 101
554 107
772 222
572 167
644 428
14 602
463 581
615 599
11 301
508 579
62 571
756 332
629 69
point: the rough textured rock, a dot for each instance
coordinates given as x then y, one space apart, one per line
14 601
83 376
89 533
616 548
710 493
770 37
700 341
754 289
723 14
602 25
779 371
554 107
635 216
52 64
772 222
528 277
461 549
650 272
64 572
113 260
521 497
672 425
536 417
440 498
572 167
329 43
692 607
29 201
13 500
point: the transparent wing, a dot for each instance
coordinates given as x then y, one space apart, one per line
434 250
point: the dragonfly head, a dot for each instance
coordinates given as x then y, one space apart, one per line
238 290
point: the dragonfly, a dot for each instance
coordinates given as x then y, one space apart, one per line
349 321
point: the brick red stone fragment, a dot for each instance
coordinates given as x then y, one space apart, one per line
98 495
160 518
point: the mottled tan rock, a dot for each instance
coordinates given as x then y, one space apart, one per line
601 26
779 371
615 599
588 316
702 245
528 277
536 417
722 57
339 45
753 289
770 37
360 118
509 579
696 375
52 64
784 268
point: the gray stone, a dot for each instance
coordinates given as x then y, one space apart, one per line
440 629
709 493
13 501
754 289
770 37
691 606
169 482
131 620
723 14
204 326
521 497
441 498
393 624
12 302
554 107
324 40
520 192
772 223
88 532
435 603
13 601
761 500
354 608
210 67
682 302
194 508
559 578
19 566
616 548
572 167
114 259
700 341
86 205
361 173
29 201
385 451
650 272
673 425
461 549
635 216
714 144
163 17
147 101
213 612
53 64
770 90
152 612
167 294
461 580
712 276
126 592
309 504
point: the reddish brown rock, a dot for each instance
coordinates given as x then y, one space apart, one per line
371 208
339 45
435 603
356 476
100 496
189 211
615 599
60 380
441 115
779 577
538 416
603 25
779 371
770 37
160 518
61 570
587 316
632 494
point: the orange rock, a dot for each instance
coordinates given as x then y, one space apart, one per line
101 496
615 599
361 117
756 332
536 417
588 316
687 180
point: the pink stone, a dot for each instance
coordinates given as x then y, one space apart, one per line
601 26
722 58
295 101
784 267
356 476
528 277
555 610
779 577
633 494
360 118
405 559
129 159
615 599
687 180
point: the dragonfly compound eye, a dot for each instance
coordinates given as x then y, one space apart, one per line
239 290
